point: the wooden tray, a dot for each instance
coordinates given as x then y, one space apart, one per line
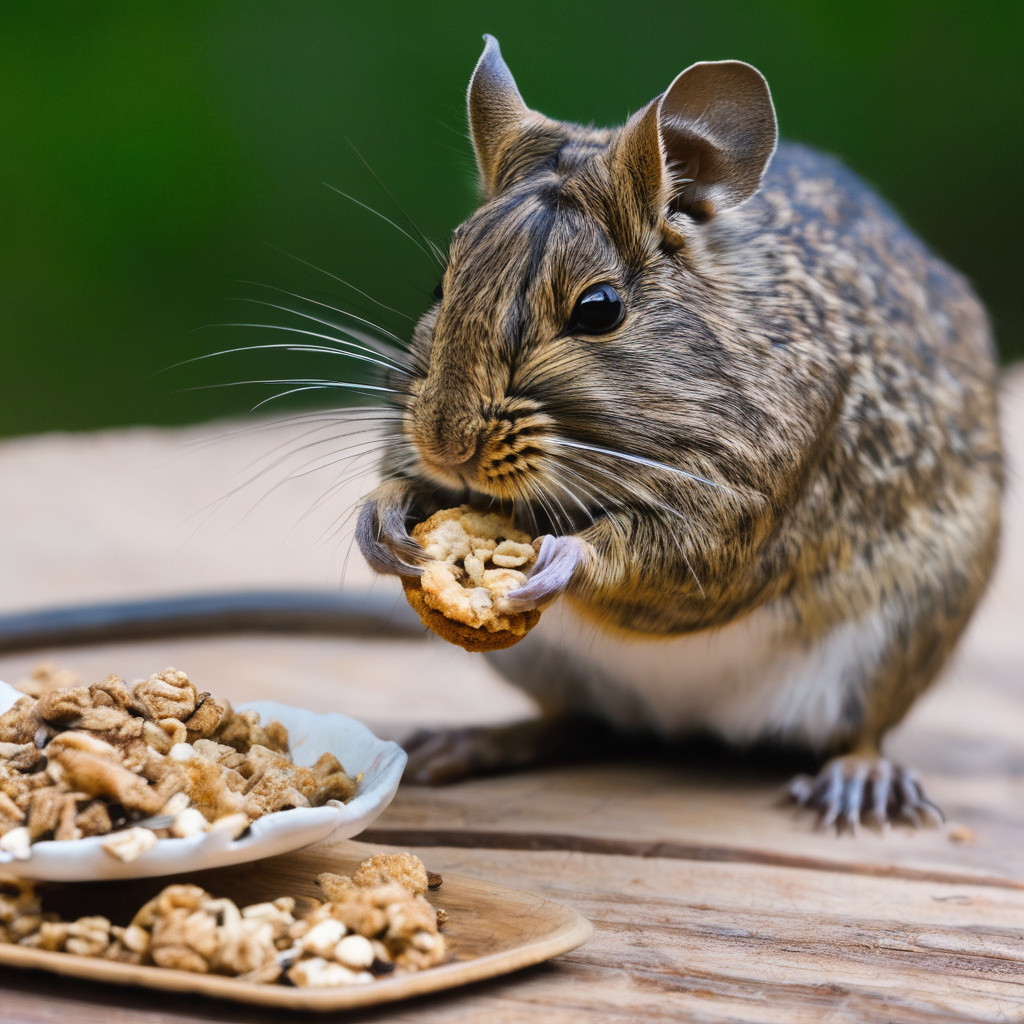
492 930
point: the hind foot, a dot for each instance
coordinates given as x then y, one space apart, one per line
865 788
440 756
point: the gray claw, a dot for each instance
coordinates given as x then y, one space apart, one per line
800 789
880 779
551 573
855 789
831 798
853 798
384 540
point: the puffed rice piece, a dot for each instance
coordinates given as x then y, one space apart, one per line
176 804
323 937
354 952
17 842
130 844
316 972
189 822
234 824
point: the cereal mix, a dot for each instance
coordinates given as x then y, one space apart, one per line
156 760
371 924
475 560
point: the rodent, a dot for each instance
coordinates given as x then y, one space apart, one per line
755 415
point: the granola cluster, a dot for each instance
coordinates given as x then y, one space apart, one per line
476 559
157 760
372 924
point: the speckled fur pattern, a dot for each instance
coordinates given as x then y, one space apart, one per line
826 385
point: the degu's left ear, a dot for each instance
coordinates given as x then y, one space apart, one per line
703 145
508 137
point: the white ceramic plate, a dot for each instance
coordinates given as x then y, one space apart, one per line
309 734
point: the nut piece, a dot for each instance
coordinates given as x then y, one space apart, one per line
45 677
476 558
88 936
99 774
20 909
167 694
205 720
94 820
20 723
44 811
336 888
164 734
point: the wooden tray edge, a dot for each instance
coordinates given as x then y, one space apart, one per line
572 933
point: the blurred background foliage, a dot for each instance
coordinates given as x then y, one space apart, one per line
149 149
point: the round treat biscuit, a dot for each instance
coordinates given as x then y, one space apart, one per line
472 638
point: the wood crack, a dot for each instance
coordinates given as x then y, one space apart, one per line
487 839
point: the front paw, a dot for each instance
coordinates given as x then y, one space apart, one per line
557 562
865 788
382 535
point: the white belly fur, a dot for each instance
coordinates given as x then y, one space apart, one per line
746 681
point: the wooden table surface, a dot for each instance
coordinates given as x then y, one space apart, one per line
710 901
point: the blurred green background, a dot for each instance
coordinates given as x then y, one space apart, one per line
149 149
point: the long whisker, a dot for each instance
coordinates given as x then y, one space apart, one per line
558 471
362 336
342 342
339 455
648 499
569 492
437 252
377 439
643 461
370 413
340 280
319 381
415 241
277 461
378 344
318 349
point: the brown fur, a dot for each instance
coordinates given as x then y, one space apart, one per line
829 381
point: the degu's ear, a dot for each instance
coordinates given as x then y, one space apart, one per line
704 144
499 120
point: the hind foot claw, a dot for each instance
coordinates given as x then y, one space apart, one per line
856 788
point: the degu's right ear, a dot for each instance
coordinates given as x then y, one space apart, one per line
508 137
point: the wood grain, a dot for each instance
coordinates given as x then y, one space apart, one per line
654 808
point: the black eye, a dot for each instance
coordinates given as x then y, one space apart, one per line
598 310
439 291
